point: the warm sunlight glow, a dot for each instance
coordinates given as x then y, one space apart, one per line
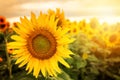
105 11
38 6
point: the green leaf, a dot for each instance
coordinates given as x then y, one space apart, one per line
92 58
64 76
94 70
81 64
54 78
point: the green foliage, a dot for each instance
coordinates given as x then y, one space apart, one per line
92 68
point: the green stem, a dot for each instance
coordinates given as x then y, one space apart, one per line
8 60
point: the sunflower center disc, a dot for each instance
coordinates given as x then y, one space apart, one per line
41 44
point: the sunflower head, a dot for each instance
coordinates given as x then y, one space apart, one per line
112 39
74 29
41 44
62 22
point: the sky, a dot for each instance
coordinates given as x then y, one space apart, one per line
104 10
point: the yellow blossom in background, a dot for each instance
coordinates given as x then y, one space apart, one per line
82 25
85 56
112 39
74 29
105 35
59 15
41 44
85 28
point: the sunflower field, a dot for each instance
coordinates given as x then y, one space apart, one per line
51 47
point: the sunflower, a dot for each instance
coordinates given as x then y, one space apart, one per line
62 22
74 29
112 38
40 45
89 31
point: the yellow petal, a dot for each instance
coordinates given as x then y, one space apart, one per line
25 25
17 38
48 67
67 51
22 28
65 40
28 24
37 67
22 58
33 19
66 54
16 44
22 34
54 65
25 61
30 65
41 22
59 30
51 23
62 61
19 51
43 70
